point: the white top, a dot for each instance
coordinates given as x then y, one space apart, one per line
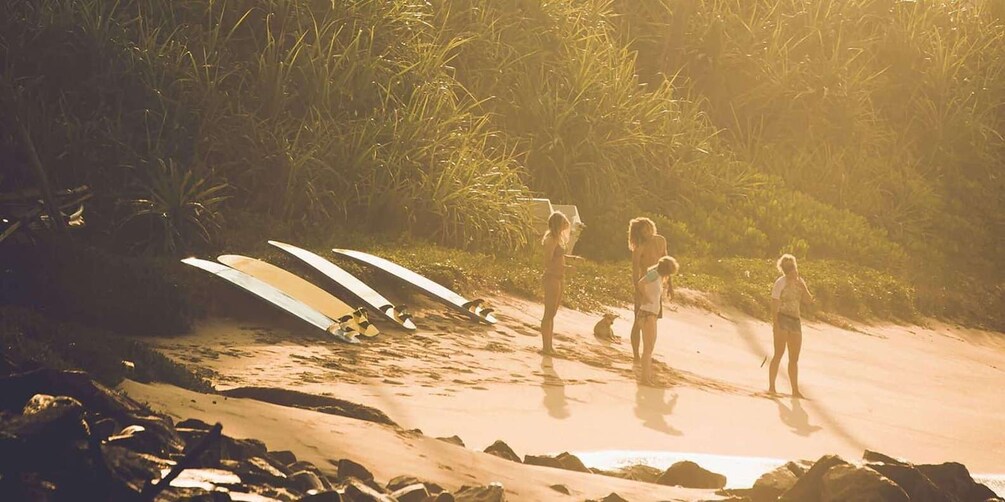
788 295
652 291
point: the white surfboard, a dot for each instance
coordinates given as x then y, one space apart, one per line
300 289
368 295
275 297
475 309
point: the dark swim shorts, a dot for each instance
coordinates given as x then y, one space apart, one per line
789 324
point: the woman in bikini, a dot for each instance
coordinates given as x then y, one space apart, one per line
554 242
647 247
650 289
786 295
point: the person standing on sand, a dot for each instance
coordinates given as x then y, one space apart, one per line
786 295
651 288
647 247
554 242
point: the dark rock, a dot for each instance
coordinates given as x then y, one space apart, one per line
358 491
41 437
494 492
104 428
41 402
807 489
560 489
284 457
325 496
372 483
636 472
139 438
443 497
542 460
132 468
917 486
193 423
412 493
302 465
158 436
453 440
17 389
349 469
874 456
434 488
502 450
847 483
571 462
955 479
773 483
398 482
322 404
563 460
306 481
613 497
257 470
691 475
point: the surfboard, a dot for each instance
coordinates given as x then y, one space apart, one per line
376 301
475 309
275 297
299 289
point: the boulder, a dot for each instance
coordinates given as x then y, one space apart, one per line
564 460
560 489
442 497
240 449
876 457
773 483
542 460
613 497
494 492
502 450
349 469
635 472
284 457
691 475
847 483
917 486
193 423
412 493
955 479
257 470
455 440
398 482
807 489
306 481
103 428
358 491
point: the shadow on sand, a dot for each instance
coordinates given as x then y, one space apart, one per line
554 390
652 407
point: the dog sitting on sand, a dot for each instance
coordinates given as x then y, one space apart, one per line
604 331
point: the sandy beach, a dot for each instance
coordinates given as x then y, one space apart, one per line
927 394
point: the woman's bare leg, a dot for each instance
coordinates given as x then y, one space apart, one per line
795 343
648 344
776 359
636 337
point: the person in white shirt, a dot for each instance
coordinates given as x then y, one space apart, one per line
786 296
650 288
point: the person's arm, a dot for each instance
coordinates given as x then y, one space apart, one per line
806 290
670 291
663 245
636 268
774 310
640 288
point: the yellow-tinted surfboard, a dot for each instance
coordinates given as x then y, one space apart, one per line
300 289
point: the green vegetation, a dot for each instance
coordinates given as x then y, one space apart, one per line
865 136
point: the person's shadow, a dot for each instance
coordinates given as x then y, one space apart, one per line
795 417
652 408
554 390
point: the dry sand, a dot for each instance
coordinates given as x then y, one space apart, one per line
928 394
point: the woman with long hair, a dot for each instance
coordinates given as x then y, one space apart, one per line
786 296
554 242
647 247
651 288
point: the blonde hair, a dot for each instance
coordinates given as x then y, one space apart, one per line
635 228
787 264
667 266
558 228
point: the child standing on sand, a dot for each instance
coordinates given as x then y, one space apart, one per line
651 288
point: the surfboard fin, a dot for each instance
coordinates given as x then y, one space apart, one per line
471 305
485 311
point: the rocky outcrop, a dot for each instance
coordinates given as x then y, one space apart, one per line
454 440
808 488
502 450
773 483
492 493
564 460
954 479
847 483
688 474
